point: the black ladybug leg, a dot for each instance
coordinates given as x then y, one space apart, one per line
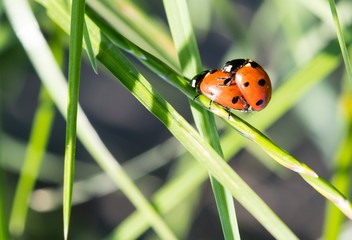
227 81
229 112
210 103
196 97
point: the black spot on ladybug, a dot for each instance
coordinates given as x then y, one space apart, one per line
246 84
261 82
260 102
254 64
235 99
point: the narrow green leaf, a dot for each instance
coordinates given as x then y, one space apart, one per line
74 71
341 39
39 137
184 39
33 160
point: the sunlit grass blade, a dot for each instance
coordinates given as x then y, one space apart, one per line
282 157
185 42
35 151
74 72
33 160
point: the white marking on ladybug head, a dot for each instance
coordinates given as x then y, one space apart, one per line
193 83
227 68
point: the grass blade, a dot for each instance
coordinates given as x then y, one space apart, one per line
184 39
341 39
74 71
33 160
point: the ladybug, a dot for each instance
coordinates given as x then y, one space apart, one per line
252 80
241 84
218 87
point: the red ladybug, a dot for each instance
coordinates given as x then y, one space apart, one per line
252 80
241 84
218 87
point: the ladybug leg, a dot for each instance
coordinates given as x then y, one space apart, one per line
247 107
226 81
210 103
229 112
197 96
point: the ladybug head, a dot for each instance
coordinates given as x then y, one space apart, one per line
195 81
234 65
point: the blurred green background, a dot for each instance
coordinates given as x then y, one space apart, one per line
282 36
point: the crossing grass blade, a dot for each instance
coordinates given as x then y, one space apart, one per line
185 42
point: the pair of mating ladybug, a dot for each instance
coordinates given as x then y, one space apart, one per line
241 84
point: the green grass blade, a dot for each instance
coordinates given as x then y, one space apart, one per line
341 39
33 160
184 39
42 124
74 71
